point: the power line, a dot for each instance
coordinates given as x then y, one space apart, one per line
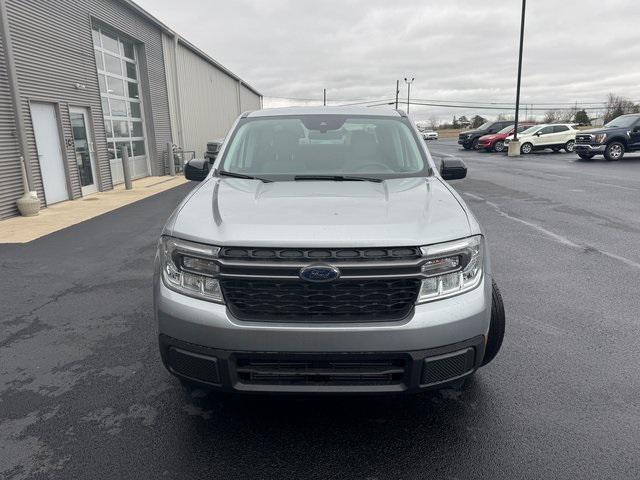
481 107
363 101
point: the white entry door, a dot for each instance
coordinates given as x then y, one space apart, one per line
45 129
84 150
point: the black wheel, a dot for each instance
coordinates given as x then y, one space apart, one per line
614 151
569 146
586 156
498 146
526 148
556 149
474 143
496 328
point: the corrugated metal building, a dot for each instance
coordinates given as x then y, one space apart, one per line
204 98
95 76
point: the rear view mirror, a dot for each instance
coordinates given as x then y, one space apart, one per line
453 169
196 169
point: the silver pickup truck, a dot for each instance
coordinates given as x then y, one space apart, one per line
324 252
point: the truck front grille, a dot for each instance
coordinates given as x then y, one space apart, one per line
329 370
323 254
374 284
339 301
584 139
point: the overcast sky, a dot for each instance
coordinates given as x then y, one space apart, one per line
457 50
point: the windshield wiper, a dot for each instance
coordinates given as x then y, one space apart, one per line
241 175
338 178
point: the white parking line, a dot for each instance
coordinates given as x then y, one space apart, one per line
554 236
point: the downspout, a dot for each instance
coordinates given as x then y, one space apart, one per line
239 101
176 86
27 173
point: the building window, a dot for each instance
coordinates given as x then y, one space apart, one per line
122 107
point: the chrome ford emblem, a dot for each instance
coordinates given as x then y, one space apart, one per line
319 273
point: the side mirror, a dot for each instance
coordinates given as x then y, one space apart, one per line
453 169
636 129
537 134
196 169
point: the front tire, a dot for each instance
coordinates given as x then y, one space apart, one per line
526 148
498 146
474 144
614 151
569 146
496 328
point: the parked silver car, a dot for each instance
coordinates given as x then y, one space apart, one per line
325 252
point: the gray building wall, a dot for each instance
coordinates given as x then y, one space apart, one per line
249 100
10 176
55 63
54 51
208 97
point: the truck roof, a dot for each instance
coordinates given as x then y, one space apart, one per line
372 112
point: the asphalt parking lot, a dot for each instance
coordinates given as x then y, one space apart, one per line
83 393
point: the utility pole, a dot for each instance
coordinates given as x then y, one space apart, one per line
397 92
324 97
408 82
515 150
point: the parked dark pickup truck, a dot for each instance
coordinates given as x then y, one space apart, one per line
469 139
620 135
213 147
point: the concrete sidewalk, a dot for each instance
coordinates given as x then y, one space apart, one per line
64 214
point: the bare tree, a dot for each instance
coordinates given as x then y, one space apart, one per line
433 122
552 116
617 105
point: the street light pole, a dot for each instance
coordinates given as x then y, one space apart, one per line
408 82
515 126
324 97
397 92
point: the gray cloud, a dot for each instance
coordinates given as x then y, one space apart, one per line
575 50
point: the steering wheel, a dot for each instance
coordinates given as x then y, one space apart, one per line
385 168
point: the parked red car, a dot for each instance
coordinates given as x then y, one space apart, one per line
495 142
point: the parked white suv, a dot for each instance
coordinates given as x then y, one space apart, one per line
555 136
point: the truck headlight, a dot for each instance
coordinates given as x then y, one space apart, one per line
190 268
601 137
451 268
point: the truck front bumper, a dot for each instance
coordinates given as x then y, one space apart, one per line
586 148
438 343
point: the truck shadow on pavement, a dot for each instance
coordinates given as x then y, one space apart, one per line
327 436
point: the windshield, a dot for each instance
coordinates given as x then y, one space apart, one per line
284 147
506 130
531 130
485 125
622 122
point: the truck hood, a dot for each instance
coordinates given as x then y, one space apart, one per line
473 132
594 131
397 212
